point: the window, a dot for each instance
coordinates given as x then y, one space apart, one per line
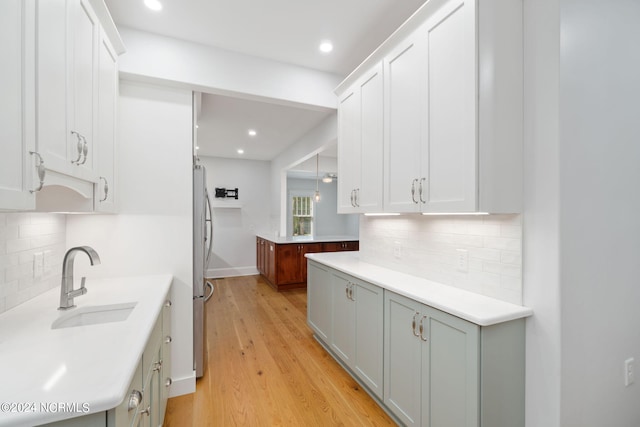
302 213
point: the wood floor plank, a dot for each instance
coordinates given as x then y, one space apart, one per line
264 367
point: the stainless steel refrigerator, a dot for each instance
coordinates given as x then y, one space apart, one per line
202 247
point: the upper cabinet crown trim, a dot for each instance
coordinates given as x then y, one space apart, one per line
101 10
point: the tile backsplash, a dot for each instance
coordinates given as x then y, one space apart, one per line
22 236
427 246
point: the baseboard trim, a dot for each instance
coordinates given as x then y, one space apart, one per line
217 273
182 386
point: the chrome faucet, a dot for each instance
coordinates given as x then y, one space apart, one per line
67 293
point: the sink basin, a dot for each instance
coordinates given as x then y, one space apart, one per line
94 315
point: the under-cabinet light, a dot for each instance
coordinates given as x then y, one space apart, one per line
381 214
454 213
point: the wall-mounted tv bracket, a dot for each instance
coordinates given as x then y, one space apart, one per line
224 192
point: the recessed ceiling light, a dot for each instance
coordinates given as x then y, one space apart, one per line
153 4
326 46
240 151
252 132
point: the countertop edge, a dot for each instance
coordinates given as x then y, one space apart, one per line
501 311
318 239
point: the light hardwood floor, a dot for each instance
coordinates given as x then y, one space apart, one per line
266 369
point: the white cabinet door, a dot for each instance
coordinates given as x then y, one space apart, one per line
83 48
404 110
369 189
348 149
368 301
16 116
451 121
403 353
319 300
105 193
360 139
51 77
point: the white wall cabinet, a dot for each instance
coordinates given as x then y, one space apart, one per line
59 115
452 88
357 328
16 109
360 119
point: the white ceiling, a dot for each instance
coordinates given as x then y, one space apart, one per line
283 30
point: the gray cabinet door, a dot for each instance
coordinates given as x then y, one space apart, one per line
368 301
319 300
403 352
450 388
343 325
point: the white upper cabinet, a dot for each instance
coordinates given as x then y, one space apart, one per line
16 108
453 84
54 102
360 121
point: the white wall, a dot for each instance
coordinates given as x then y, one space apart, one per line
600 203
153 232
21 236
429 244
234 230
213 70
327 221
541 239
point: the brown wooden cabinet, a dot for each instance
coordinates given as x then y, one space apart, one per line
284 264
340 246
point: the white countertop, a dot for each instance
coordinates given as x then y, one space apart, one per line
91 366
475 308
306 239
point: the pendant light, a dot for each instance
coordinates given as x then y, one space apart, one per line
316 196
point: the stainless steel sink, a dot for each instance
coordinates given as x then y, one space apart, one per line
94 315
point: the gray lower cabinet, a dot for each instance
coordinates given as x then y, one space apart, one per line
357 328
442 371
319 300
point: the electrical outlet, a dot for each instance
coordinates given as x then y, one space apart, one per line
397 249
629 372
463 260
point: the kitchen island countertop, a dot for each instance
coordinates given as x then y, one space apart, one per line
306 239
87 368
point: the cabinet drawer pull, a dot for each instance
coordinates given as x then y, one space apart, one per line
106 188
41 171
79 146
85 151
422 337
135 398
167 339
413 325
167 303
413 190
146 411
168 382
157 366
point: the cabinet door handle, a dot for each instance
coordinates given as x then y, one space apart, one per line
357 190
351 293
146 411
168 339
346 290
135 398
422 180
41 171
422 337
85 151
79 146
413 190
167 303
106 188
168 382
157 366
353 195
413 325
